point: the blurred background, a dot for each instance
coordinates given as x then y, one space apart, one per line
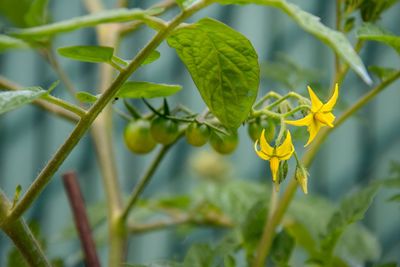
359 151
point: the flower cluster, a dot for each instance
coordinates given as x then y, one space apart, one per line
320 115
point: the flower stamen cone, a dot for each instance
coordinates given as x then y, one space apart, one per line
274 154
320 114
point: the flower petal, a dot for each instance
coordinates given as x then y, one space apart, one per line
313 129
274 165
328 106
326 118
265 147
302 122
316 104
285 150
260 153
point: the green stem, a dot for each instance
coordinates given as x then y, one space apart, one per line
266 97
65 105
269 233
289 95
298 108
52 59
143 182
115 65
84 123
22 236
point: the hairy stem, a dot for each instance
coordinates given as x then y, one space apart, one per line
22 236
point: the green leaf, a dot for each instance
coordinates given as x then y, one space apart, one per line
252 227
37 13
14 99
15 11
310 23
7 42
308 217
134 89
302 236
223 65
373 32
183 4
199 255
154 55
108 16
381 72
282 248
93 54
85 97
351 209
394 198
388 264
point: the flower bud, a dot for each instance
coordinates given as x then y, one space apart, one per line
283 171
302 178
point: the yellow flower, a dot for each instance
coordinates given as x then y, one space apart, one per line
320 114
274 154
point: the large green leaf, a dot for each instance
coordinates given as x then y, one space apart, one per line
282 248
37 13
14 99
88 53
109 16
223 65
134 89
7 42
351 209
199 255
312 24
308 217
14 11
373 32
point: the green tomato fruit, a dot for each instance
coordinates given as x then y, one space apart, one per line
164 131
255 128
224 144
138 138
197 134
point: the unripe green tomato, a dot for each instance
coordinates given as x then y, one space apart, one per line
197 134
164 131
224 144
255 128
138 138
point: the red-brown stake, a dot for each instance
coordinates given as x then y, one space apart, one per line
81 219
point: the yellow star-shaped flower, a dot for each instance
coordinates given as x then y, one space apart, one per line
274 154
320 114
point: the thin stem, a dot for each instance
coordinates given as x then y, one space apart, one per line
143 182
283 98
116 66
65 105
266 97
293 111
81 219
56 110
269 233
52 59
338 28
84 123
129 28
179 220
